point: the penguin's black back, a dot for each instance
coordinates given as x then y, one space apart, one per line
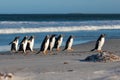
56 42
31 37
97 42
51 40
23 39
28 44
13 47
43 43
21 45
15 39
67 42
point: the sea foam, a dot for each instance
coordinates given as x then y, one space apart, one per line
11 27
55 29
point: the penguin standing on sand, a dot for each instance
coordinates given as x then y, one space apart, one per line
45 45
99 43
14 44
30 43
52 42
23 44
58 42
69 43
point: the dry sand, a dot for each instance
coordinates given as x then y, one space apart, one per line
62 65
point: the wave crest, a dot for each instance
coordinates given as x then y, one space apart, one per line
55 29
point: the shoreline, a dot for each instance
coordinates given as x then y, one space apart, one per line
110 45
63 65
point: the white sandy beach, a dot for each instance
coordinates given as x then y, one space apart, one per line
63 65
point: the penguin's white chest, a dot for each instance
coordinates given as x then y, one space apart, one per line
47 44
25 44
101 43
32 44
52 42
60 42
16 46
70 43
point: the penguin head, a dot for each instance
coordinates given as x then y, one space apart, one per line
18 37
53 35
103 35
61 35
47 36
26 37
71 36
31 37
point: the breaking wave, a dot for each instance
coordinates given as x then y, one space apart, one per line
11 27
55 29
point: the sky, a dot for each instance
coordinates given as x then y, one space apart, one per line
59 6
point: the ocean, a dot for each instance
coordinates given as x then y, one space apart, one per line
85 27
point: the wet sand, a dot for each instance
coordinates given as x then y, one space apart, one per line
63 65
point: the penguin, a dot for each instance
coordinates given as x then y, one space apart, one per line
52 42
14 44
23 44
58 42
69 43
45 45
30 43
99 43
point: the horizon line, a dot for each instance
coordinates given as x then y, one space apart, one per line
58 13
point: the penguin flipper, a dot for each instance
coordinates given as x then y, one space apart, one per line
92 50
10 43
64 50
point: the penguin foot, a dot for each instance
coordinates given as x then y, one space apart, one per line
58 49
99 51
51 53
71 49
45 52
